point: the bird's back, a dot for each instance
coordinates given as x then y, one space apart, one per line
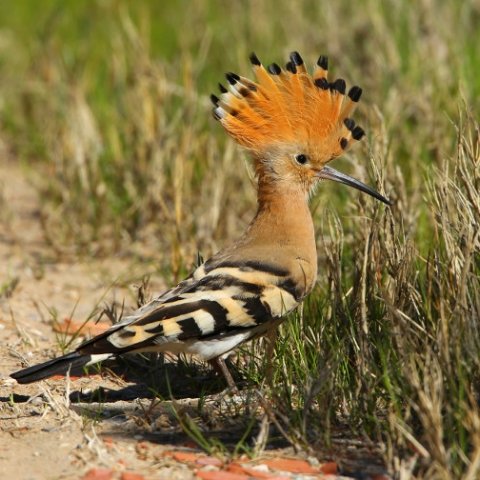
225 302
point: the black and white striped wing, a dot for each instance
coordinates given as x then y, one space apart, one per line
214 310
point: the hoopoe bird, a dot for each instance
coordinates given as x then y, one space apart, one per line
292 124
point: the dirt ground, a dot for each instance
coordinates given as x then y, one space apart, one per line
44 432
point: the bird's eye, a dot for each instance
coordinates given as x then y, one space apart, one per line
301 158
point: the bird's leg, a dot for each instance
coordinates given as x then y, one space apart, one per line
218 363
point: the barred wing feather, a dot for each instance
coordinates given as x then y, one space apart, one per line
212 304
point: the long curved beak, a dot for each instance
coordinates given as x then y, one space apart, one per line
329 173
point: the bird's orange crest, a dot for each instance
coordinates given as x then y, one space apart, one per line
289 106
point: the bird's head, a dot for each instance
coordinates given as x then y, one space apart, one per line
292 123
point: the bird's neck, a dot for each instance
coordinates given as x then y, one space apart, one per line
283 231
283 217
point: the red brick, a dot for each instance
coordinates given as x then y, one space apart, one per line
329 467
209 461
251 472
98 474
289 465
221 476
184 456
131 476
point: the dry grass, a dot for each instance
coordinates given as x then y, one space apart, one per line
108 110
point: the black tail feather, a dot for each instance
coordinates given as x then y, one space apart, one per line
58 366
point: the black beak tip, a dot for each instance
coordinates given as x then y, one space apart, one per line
387 202
329 173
